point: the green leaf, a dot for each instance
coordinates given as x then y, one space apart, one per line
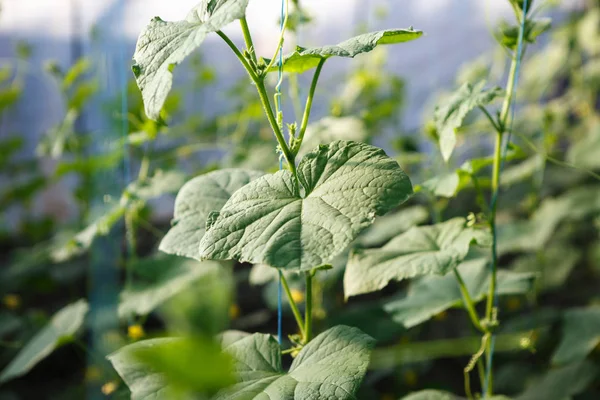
168 368
80 68
431 295
162 182
450 116
275 222
552 265
586 153
164 45
434 249
304 59
441 395
534 233
61 328
386 227
195 201
331 366
82 241
581 334
508 35
448 185
562 383
431 395
158 279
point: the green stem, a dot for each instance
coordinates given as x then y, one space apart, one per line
503 118
293 305
308 308
266 103
468 301
248 38
309 100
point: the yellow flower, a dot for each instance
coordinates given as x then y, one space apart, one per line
109 388
234 311
297 296
11 301
135 332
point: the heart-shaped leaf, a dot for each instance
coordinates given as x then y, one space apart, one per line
331 366
274 221
195 201
449 116
61 328
163 45
304 59
434 249
433 294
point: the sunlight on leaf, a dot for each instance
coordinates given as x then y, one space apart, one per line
270 220
163 45
304 59
60 330
314 373
195 201
434 249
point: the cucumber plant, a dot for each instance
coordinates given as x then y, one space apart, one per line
452 249
297 219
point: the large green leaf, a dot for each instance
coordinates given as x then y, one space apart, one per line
61 328
168 368
157 279
430 394
449 184
434 249
195 201
562 383
552 265
433 294
581 334
163 45
304 59
274 221
331 366
449 116
534 233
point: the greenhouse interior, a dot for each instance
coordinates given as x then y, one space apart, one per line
300 199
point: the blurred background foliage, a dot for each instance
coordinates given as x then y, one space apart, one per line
549 224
